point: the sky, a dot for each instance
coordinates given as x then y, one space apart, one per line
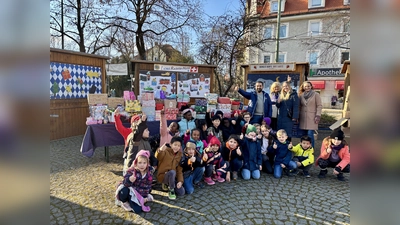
218 7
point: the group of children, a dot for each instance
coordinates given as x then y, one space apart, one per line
193 151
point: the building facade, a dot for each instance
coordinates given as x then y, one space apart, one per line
314 31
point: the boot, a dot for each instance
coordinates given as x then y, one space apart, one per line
209 181
341 177
322 173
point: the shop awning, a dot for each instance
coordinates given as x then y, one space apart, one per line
318 84
339 84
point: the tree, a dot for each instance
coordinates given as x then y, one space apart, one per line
86 23
158 17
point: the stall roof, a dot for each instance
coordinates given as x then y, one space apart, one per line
78 53
172 63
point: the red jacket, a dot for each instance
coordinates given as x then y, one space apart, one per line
344 155
124 131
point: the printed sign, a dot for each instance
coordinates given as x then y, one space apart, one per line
273 67
326 72
191 69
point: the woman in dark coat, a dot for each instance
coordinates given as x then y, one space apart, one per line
288 109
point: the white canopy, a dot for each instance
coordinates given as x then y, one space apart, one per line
117 69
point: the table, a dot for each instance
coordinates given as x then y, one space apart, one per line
105 135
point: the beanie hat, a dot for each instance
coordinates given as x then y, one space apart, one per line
145 153
251 128
190 144
186 111
214 141
135 118
267 120
337 134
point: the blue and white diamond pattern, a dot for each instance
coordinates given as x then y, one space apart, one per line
70 88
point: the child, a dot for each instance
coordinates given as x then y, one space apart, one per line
236 122
134 191
216 168
202 126
334 154
252 158
232 154
193 166
282 154
227 129
195 138
266 142
258 130
209 117
169 169
124 131
187 123
137 139
245 122
303 155
167 133
214 129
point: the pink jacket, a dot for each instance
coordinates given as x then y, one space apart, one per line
344 155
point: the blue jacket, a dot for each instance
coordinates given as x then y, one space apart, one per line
252 96
184 125
282 153
252 158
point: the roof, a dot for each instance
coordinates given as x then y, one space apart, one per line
78 53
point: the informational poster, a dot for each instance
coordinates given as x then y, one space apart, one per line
268 79
73 81
194 84
156 81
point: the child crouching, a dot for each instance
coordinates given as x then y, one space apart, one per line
192 164
216 168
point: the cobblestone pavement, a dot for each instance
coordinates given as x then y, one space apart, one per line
82 192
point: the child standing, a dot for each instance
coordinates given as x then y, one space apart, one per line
266 142
334 155
214 129
216 168
252 159
303 155
193 166
194 136
169 169
134 191
282 155
232 154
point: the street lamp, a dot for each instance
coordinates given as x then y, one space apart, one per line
132 79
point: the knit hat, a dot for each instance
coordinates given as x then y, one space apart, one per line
135 118
186 111
251 128
267 120
145 153
337 134
214 141
190 144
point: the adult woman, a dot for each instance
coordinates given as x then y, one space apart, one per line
274 95
288 109
310 109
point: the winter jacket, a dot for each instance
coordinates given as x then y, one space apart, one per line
212 131
142 184
188 166
186 125
168 160
284 121
306 156
229 155
308 110
282 153
252 158
344 155
199 144
252 96
124 131
165 134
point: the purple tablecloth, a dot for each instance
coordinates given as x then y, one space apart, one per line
102 135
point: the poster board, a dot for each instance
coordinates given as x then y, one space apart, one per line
269 78
156 81
194 84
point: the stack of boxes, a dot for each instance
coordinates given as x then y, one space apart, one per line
212 101
149 106
224 105
200 108
170 109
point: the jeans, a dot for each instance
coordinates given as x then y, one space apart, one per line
195 177
236 164
309 133
255 174
169 179
278 168
256 119
266 164
325 163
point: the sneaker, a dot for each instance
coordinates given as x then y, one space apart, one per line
306 174
234 175
341 177
220 179
126 206
294 172
199 184
150 198
209 181
118 202
171 194
164 187
214 177
322 173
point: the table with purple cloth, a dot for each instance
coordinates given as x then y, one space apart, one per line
105 135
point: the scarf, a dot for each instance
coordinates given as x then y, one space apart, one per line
307 95
230 150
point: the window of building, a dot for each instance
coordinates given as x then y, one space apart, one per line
282 57
269 31
313 57
274 6
346 2
314 27
344 56
316 3
267 58
284 30
346 26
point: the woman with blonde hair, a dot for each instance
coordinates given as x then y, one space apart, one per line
310 109
274 95
288 109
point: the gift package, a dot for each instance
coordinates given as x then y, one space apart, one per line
224 106
171 111
212 98
169 103
148 103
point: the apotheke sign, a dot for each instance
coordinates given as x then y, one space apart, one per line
326 72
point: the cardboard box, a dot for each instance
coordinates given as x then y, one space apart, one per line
224 106
171 111
200 109
94 99
201 102
148 103
146 96
114 102
169 103
170 116
224 100
132 106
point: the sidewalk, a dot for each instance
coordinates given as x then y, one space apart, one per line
82 192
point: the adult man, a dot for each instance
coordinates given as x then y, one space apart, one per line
260 105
